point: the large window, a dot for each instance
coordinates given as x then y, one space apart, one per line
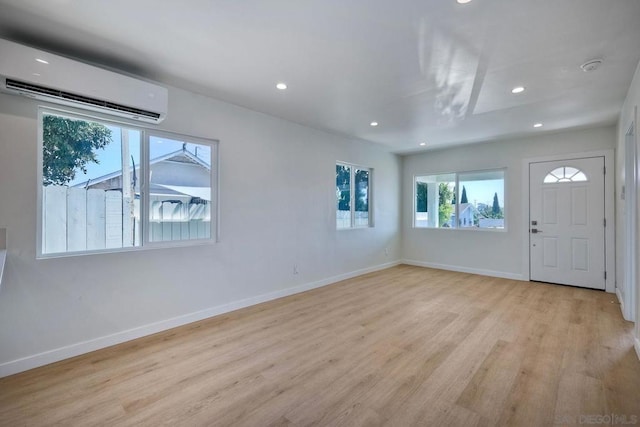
109 186
470 200
353 209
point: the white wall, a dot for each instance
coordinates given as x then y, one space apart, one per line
625 120
486 252
277 209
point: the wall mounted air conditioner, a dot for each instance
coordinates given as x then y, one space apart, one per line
48 77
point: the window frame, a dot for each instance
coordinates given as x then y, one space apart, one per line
146 132
457 195
352 194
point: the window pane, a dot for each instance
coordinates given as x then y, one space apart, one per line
343 196
569 171
88 202
565 174
435 201
580 176
362 198
179 190
481 200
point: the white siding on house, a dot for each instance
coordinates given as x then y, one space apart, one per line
191 175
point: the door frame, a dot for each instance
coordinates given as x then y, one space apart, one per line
630 233
609 211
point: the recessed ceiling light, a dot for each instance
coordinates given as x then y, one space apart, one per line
422 144
517 89
463 1
36 74
537 125
42 61
281 86
374 124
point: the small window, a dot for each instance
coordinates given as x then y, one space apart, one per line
352 196
466 200
94 175
565 174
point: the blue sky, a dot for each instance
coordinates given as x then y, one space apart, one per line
483 191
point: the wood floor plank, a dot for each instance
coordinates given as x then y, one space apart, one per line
490 386
403 346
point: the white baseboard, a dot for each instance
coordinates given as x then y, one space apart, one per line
460 269
55 355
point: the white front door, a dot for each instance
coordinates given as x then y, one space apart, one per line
567 222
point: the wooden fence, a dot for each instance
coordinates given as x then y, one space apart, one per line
175 220
76 219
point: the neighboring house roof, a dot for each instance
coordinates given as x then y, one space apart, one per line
203 193
466 206
179 156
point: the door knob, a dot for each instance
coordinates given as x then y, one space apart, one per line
535 231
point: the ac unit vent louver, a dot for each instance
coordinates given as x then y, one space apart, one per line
29 88
48 77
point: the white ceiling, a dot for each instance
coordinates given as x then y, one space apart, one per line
431 71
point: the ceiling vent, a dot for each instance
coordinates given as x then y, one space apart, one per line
47 77
592 65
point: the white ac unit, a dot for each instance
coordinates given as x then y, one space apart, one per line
48 77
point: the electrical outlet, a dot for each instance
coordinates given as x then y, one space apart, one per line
295 268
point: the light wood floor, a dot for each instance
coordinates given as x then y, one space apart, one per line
404 346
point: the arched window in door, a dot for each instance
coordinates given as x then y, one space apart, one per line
565 174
